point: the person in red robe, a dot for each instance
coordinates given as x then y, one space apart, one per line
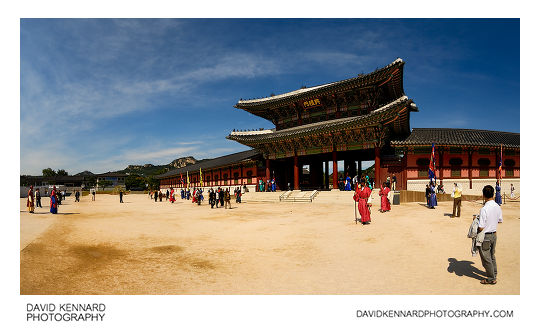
171 197
361 195
385 203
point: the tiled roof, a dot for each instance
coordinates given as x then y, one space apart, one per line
311 91
271 135
111 174
459 137
211 163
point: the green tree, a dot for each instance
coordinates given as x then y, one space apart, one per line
135 181
48 172
152 182
61 172
104 183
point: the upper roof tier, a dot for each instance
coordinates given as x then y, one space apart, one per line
362 80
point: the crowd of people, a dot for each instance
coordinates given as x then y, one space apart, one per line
220 197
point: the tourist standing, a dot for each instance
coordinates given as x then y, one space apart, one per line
239 196
54 202
394 182
498 198
361 195
428 193
456 194
38 198
167 194
512 190
490 216
155 196
121 193
432 196
228 199
222 196
160 196
385 203
30 200
93 194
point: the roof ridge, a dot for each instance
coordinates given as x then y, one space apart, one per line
461 129
302 90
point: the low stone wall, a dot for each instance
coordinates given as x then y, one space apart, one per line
477 185
410 196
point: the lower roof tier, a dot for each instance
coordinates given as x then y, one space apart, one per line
394 113
459 137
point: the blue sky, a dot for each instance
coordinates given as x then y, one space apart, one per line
119 92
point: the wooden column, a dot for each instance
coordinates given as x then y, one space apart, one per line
326 175
470 169
267 170
296 174
441 165
335 170
241 175
377 167
404 170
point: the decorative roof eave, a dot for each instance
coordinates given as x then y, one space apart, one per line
293 96
447 144
372 118
448 137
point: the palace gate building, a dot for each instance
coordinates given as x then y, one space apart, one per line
364 118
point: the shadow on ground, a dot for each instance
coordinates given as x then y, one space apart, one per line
464 268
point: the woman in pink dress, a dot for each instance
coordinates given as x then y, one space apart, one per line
361 195
385 203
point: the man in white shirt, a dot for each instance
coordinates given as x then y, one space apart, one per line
490 216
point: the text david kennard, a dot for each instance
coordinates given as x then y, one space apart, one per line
65 312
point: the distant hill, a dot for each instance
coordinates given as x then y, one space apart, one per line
151 169
84 173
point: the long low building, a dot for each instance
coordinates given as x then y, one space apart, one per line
364 118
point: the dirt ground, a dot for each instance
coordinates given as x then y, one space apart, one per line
144 247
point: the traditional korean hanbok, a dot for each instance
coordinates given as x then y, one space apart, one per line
274 184
432 198
385 202
54 202
361 195
171 196
498 198
348 184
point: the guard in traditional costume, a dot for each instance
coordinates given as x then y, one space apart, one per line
385 202
348 183
361 195
54 202
498 198
432 196
172 196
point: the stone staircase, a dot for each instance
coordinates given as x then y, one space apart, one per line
261 197
298 196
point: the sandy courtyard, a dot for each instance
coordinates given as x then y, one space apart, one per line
144 247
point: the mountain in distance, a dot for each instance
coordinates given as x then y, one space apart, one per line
151 169
84 173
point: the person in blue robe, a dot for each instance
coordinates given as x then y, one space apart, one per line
54 202
348 183
498 198
432 196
